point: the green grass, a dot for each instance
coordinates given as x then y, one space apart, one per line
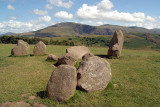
136 73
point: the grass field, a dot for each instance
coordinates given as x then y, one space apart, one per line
136 74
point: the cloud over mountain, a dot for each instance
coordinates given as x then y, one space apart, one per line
63 15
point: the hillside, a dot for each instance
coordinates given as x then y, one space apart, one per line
75 29
9 34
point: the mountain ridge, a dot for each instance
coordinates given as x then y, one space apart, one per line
76 29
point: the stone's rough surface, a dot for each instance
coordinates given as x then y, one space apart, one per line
21 49
62 83
52 57
78 51
94 74
87 55
39 48
67 59
116 44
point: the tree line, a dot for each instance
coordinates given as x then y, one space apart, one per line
34 40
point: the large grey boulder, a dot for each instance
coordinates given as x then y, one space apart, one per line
116 44
78 51
94 74
39 48
67 59
62 83
21 49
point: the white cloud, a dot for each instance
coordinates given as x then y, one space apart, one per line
45 19
19 27
146 24
149 18
40 12
93 13
48 6
105 5
99 23
13 18
10 7
61 3
63 15
103 12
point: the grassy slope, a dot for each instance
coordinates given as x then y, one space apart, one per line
136 73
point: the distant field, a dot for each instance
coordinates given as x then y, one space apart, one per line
131 40
136 72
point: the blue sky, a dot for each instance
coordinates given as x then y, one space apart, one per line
29 15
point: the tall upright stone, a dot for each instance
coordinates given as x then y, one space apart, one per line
21 49
116 44
39 48
62 83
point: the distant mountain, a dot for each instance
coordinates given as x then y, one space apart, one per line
8 34
75 29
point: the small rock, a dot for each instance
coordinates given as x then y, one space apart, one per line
52 57
67 59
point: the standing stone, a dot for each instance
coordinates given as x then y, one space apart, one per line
116 44
78 51
21 49
94 74
62 83
39 48
67 59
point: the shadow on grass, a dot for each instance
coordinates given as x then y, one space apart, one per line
108 57
102 56
42 94
18 56
31 54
